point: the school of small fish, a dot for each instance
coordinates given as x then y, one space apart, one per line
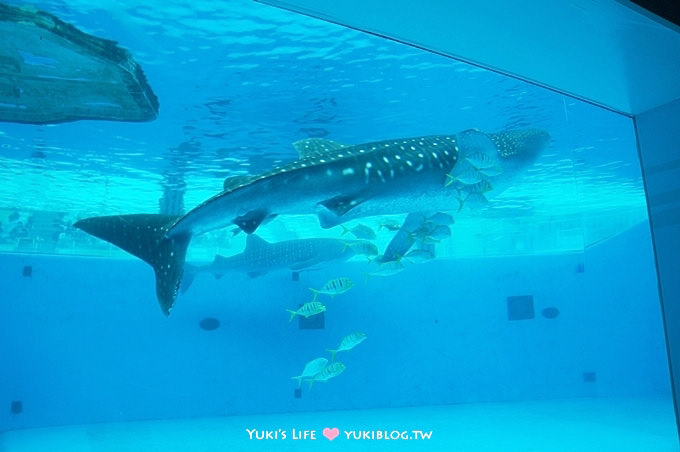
470 178
434 228
319 370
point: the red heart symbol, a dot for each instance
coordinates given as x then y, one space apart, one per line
331 433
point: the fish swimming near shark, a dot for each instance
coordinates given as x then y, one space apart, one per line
261 257
382 267
477 177
419 256
360 231
337 182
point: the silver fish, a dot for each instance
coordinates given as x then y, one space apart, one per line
306 310
419 256
334 287
328 372
363 247
360 231
311 369
387 268
348 343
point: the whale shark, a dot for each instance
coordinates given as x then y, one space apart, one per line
261 257
337 182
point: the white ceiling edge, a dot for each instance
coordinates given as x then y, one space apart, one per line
606 52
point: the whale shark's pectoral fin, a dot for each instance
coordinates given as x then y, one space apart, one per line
335 208
342 204
328 219
404 239
267 219
250 221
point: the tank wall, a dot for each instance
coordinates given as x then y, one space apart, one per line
658 138
82 340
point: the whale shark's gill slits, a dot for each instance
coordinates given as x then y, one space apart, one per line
143 236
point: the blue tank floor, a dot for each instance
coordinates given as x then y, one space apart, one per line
564 425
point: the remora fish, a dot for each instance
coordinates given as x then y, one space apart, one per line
260 257
336 182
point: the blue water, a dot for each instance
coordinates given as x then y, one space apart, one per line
449 348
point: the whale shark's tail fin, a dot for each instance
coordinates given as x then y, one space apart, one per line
144 236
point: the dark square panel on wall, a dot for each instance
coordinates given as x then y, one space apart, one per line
314 322
521 307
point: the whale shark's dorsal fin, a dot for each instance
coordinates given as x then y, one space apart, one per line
316 147
219 262
143 235
254 242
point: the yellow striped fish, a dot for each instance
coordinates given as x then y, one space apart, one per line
308 309
334 287
328 372
348 343
312 369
